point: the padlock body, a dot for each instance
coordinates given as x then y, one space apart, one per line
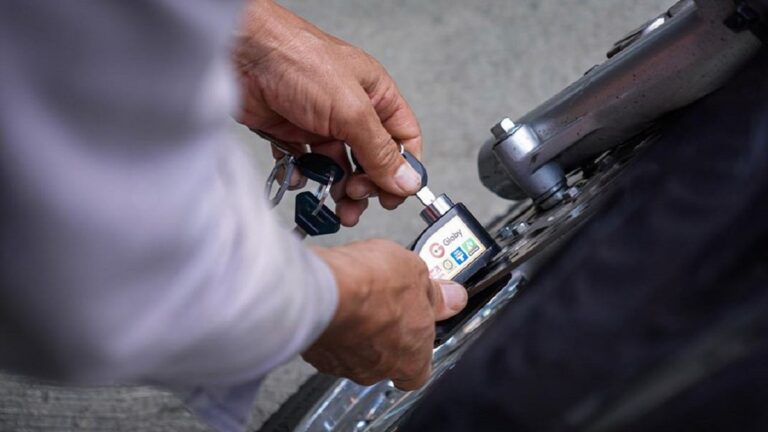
456 246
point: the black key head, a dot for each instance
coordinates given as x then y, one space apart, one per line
322 222
319 168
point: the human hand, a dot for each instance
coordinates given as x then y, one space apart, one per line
303 85
384 326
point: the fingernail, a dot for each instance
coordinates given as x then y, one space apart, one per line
454 295
407 178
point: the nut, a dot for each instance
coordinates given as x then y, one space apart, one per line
502 128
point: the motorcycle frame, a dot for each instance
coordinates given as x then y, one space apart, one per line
668 63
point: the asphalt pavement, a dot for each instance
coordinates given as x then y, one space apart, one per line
462 65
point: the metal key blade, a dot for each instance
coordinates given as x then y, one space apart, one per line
426 196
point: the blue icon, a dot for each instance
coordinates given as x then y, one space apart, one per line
459 255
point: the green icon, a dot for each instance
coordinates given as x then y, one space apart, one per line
471 247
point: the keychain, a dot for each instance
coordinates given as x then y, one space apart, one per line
312 216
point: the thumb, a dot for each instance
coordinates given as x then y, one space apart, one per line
448 299
379 155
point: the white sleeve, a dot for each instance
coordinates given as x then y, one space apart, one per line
136 245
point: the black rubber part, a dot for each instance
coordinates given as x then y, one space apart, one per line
297 406
319 167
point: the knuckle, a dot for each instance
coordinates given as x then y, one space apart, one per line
413 382
390 201
420 274
385 152
424 331
358 111
381 366
429 333
352 51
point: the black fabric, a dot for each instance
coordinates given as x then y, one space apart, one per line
655 316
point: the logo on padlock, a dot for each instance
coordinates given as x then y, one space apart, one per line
437 250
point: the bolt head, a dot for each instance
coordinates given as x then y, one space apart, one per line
506 232
502 128
520 228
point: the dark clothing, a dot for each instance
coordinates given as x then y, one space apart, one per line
655 316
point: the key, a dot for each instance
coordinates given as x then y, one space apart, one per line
319 168
314 166
322 169
313 218
425 195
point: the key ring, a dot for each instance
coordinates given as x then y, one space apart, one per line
288 163
322 194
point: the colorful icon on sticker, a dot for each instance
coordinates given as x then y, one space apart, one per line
470 246
435 272
459 255
448 265
436 250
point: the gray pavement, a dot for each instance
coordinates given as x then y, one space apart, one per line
462 65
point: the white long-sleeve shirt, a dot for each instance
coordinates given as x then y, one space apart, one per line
135 243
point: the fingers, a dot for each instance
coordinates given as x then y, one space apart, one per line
396 117
393 110
289 132
415 365
448 298
297 180
390 201
377 151
349 211
384 326
292 148
338 152
360 187
423 370
327 90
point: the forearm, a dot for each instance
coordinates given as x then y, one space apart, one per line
136 245
215 293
